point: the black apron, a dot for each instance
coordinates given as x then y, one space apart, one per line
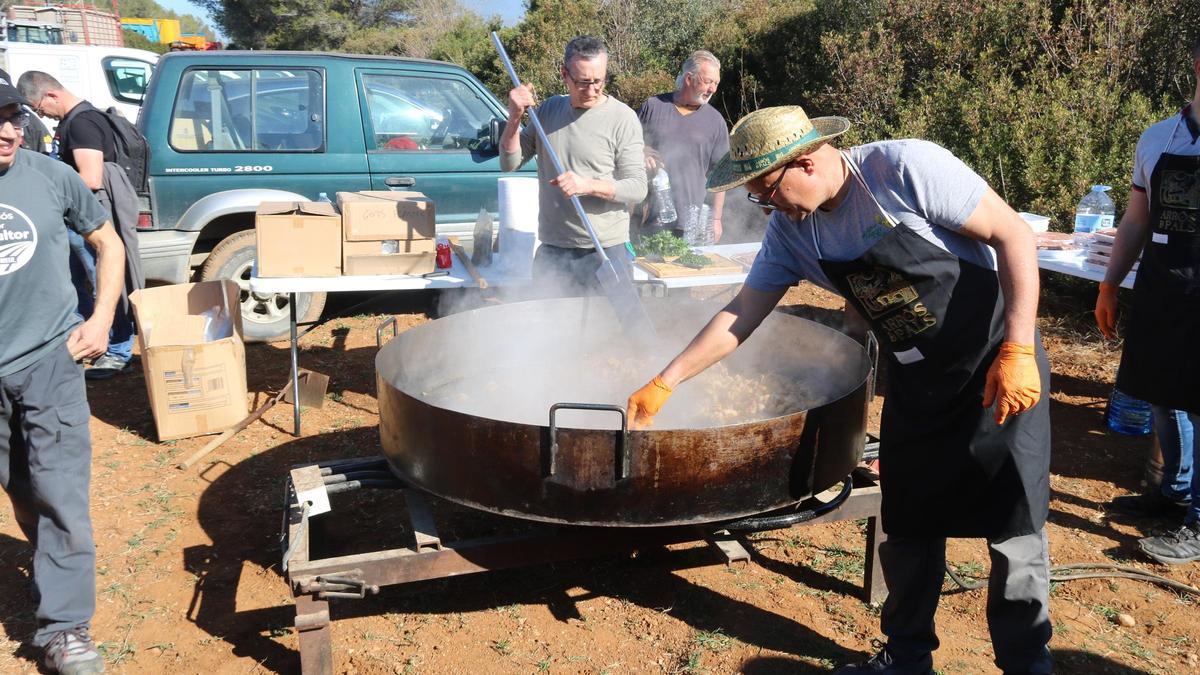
1159 363
948 469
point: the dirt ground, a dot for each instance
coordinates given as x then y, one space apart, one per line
188 574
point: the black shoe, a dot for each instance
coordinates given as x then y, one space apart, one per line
883 662
1150 505
105 367
1175 548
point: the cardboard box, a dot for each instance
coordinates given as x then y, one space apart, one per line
368 216
195 387
415 264
298 239
387 247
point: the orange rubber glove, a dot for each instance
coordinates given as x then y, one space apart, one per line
1106 310
645 403
1013 381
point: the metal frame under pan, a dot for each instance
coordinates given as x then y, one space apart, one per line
315 582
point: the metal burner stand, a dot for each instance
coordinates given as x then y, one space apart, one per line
315 582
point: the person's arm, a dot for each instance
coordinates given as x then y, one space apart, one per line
723 333
91 338
90 164
1013 380
628 185
512 154
997 225
1130 240
718 208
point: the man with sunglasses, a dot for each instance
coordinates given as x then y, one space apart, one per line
685 136
945 274
598 140
45 445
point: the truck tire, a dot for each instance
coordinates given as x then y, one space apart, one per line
264 315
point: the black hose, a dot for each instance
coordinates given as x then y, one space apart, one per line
342 465
760 523
349 486
358 475
1075 571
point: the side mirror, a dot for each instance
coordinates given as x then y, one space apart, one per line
495 130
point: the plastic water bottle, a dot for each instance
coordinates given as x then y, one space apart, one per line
664 198
1095 212
1128 415
698 228
323 197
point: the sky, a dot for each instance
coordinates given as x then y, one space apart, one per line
509 10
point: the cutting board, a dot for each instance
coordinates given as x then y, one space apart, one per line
662 270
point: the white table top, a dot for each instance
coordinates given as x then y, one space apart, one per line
642 276
458 277
1074 263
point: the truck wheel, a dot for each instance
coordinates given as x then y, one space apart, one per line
264 315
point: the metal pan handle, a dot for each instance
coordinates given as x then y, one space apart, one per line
390 321
621 459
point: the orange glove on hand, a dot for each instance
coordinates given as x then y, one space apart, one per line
646 402
1106 310
1013 381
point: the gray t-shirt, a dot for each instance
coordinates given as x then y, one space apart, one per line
689 145
603 142
39 198
921 184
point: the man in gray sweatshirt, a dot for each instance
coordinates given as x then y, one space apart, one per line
598 140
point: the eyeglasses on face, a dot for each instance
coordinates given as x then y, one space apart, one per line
765 202
584 84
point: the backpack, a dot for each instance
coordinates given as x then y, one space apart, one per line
133 151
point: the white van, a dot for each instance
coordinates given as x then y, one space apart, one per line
105 76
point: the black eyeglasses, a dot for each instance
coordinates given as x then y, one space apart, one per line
583 84
765 202
18 118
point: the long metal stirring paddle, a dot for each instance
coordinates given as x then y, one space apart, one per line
621 295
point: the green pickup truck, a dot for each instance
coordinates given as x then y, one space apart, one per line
228 130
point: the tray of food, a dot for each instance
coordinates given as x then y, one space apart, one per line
1056 241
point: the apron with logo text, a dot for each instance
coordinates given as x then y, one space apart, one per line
1159 363
948 469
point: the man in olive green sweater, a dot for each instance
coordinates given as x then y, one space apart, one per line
598 140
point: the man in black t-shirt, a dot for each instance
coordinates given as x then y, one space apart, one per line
85 141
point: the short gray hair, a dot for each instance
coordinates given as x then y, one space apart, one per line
584 47
692 64
33 84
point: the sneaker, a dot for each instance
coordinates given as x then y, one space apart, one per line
105 367
72 652
1174 548
883 662
1150 505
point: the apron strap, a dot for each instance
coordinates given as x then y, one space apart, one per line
857 173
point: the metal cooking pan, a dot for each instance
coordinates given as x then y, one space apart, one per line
480 408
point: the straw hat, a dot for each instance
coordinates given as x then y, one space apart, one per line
767 138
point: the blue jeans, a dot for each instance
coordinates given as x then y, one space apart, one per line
1180 449
83 277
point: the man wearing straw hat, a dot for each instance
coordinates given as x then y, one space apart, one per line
945 273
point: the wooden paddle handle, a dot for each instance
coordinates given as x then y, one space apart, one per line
466 261
232 431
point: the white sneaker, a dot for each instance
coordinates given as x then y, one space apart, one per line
72 652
